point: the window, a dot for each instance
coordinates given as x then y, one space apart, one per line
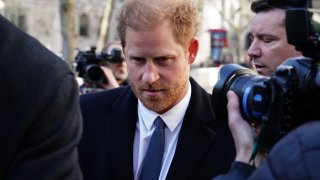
84 25
22 22
17 16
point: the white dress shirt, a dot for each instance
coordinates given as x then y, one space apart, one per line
145 127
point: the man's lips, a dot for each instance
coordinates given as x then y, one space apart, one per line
261 69
258 66
153 92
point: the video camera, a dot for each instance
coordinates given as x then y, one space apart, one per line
288 98
87 64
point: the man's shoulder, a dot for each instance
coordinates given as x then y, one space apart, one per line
106 97
295 156
304 136
29 59
197 89
200 97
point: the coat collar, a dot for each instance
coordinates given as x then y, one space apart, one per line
195 136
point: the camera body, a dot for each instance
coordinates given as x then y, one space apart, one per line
87 64
279 103
288 98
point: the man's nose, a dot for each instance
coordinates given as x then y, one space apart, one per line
151 73
254 49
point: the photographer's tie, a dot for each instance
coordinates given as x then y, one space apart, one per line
153 160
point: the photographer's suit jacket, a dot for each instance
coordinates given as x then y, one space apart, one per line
40 118
205 146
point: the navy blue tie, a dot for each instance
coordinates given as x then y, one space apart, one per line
153 160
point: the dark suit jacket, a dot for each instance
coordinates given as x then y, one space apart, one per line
40 118
205 146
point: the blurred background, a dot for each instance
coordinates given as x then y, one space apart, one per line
64 25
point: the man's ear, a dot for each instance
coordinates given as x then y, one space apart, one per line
193 50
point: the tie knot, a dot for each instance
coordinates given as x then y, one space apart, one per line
159 123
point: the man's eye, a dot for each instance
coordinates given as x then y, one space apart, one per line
251 38
267 40
162 59
137 59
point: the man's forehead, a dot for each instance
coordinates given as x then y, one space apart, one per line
267 22
275 15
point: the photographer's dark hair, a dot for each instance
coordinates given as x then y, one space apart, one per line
266 5
260 6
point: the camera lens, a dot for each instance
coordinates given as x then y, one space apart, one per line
252 90
94 74
253 94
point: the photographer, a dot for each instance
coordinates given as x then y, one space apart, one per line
269 47
103 71
118 67
289 120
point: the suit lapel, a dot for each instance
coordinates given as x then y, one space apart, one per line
121 137
195 136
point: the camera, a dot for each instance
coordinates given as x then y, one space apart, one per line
288 98
87 64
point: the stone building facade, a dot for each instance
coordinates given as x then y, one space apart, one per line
41 19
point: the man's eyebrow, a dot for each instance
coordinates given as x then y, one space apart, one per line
163 56
133 56
261 35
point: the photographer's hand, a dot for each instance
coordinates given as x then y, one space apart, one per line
112 82
241 130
